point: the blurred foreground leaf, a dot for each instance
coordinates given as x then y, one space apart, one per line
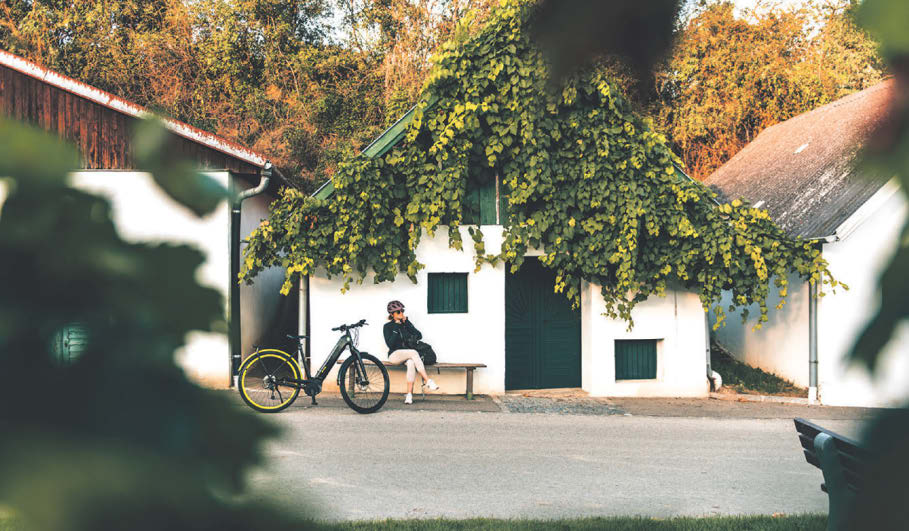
179 178
119 438
888 154
881 504
573 32
32 154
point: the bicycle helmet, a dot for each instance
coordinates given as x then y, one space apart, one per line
394 306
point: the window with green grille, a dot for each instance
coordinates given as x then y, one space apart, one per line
635 359
447 293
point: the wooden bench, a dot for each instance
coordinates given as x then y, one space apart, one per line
469 367
843 462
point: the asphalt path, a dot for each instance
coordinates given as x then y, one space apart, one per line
333 464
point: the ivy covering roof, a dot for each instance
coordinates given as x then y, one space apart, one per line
586 180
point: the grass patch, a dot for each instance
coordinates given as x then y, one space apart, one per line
743 378
805 522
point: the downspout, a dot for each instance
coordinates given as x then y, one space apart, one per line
812 342
716 381
233 303
812 324
303 325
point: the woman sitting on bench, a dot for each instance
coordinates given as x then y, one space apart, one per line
396 330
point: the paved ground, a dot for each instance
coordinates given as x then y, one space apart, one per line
452 458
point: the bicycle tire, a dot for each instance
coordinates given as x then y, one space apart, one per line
253 387
362 398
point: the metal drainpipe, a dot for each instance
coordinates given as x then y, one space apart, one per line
303 315
707 340
233 301
812 343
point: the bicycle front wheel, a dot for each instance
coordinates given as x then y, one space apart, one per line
260 381
364 389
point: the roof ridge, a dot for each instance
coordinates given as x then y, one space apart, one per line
881 85
121 105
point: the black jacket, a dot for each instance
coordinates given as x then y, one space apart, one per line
396 332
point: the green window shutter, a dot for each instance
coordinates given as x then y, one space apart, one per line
70 342
479 206
447 293
635 359
470 207
488 203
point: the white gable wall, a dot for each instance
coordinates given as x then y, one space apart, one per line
858 260
479 335
678 323
781 345
142 212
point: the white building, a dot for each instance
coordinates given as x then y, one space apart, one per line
100 125
805 172
528 336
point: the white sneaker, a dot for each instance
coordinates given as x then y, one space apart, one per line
431 385
408 399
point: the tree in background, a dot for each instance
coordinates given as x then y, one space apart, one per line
728 78
405 34
310 81
261 72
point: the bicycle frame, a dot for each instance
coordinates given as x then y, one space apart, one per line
344 342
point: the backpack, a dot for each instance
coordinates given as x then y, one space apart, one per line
427 354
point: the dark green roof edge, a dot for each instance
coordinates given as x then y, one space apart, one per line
383 143
680 173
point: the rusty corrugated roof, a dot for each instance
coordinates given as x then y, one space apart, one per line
804 171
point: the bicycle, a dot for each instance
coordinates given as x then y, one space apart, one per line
362 378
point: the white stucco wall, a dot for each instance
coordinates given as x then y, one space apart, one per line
260 301
858 260
142 212
678 323
867 242
479 335
781 345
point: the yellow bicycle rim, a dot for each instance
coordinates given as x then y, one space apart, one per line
284 358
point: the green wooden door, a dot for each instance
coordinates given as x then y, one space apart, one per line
542 331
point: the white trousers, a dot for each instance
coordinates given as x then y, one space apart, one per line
411 358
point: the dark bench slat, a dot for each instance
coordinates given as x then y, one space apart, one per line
807 442
843 463
811 457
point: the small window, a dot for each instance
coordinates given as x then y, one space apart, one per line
479 206
635 359
447 293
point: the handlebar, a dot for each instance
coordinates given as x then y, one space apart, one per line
345 328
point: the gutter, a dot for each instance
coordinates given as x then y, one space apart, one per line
233 299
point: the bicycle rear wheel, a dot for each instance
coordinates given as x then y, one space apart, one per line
364 392
259 379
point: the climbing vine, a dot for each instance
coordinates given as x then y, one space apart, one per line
587 181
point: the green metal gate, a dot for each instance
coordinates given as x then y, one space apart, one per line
542 331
